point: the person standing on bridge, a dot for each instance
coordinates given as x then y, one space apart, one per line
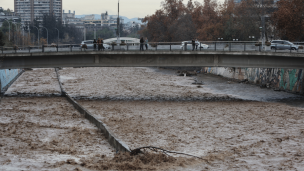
95 43
193 44
101 43
146 43
141 44
196 43
98 44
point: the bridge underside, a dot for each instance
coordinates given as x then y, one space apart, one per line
152 59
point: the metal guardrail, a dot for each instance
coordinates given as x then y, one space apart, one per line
229 46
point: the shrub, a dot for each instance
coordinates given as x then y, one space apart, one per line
301 47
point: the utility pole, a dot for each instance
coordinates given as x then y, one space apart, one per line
94 31
118 27
38 33
58 36
84 34
263 25
47 36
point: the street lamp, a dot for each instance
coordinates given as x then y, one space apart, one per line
118 27
58 36
94 31
23 35
9 30
14 32
47 35
38 34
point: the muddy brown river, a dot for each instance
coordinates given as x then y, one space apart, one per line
232 126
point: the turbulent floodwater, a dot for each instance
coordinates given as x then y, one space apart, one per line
232 126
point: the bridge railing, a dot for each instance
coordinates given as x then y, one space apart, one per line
229 46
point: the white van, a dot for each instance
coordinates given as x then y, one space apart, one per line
90 44
197 43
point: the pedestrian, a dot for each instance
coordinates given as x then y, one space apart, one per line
193 44
196 43
95 43
141 44
98 44
146 43
101 44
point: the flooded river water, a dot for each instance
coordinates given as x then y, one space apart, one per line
233 126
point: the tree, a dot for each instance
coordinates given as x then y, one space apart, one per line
207 20
1 39
289 19
173 22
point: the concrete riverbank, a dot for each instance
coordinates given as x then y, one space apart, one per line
290 80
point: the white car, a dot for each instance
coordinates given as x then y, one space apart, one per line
90 44
197 43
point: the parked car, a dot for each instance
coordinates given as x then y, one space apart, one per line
189 45
90 44
283 45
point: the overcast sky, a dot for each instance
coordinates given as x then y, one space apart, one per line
128 8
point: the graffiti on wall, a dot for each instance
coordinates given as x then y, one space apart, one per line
284 79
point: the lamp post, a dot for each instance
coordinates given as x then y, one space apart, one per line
38 34
14 37
47 35
262 35
94 31
58 36
9 30
118 27
22 36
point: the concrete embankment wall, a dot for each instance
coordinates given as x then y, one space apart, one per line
6 76
290 80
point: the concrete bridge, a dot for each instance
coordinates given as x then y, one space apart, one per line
152 59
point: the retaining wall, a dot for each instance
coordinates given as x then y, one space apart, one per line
6 76
290 80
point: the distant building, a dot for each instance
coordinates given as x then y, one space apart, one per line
110 21
89 17
69 18
4 15
32 9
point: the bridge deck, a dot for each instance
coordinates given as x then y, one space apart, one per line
151 59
